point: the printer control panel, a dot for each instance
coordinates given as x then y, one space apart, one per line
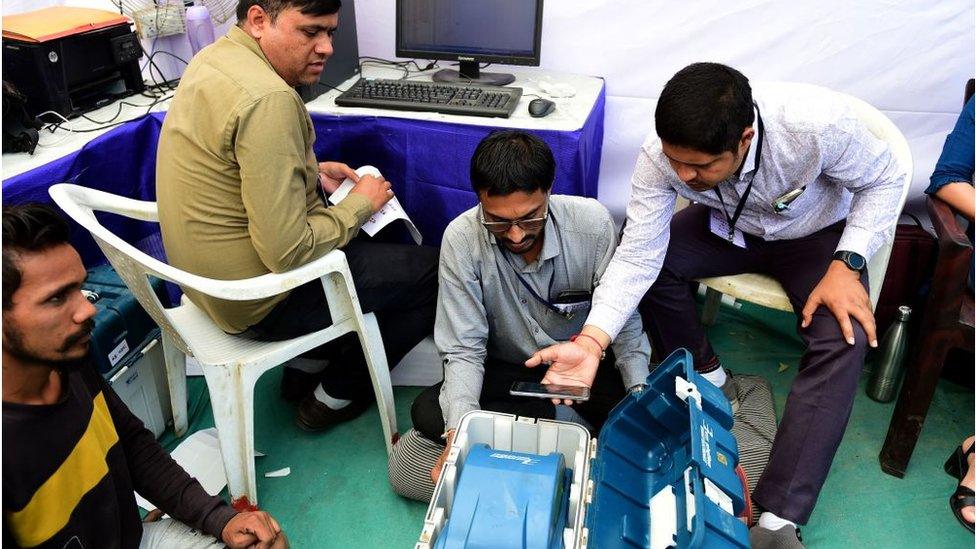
126 48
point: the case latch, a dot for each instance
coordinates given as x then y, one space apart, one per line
686 389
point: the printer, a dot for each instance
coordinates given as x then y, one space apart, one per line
70 60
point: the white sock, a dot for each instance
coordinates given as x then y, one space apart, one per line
770 521
716 376
333 403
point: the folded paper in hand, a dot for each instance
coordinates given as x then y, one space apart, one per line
389 213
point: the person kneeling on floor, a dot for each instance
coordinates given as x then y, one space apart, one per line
516 274
72 451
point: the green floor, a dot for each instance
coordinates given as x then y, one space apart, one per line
337 494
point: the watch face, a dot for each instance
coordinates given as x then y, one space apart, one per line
856 262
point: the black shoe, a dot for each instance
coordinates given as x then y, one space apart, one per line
316 416
960 499
731 391
297 384
957 466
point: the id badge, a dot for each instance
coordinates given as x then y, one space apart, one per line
719 226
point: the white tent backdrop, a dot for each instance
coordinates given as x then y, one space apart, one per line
908 58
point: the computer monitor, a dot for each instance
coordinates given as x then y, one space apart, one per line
471 32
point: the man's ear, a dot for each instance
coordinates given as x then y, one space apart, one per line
747 135
257 21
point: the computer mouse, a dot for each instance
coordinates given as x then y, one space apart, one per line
541 107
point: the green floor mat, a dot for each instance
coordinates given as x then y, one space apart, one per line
338 496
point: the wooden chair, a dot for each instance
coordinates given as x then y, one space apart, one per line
947 323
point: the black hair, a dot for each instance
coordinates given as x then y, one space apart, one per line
27 228
511 161
705 107
274 7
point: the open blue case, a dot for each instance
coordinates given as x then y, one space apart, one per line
661 474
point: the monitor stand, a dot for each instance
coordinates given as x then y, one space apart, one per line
470 73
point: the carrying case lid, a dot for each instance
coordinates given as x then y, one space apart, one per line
663 471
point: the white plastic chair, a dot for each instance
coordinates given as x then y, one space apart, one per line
766 291
231 364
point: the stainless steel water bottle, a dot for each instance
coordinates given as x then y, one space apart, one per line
887 373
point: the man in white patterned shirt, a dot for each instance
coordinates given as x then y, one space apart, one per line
789 183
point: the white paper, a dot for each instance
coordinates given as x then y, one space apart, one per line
284 472
199 455
389 213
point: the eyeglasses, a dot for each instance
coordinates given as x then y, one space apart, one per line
528 225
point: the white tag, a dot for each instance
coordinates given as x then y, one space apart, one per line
717 496
118 352
720 228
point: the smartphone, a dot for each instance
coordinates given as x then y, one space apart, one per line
540 390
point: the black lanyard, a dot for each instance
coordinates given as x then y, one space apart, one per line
546 302
734 218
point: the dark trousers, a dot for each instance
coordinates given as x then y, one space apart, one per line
607 391
398 282
819 404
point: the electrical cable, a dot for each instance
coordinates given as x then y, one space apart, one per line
53 127
401 65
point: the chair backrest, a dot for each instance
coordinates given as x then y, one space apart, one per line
133 266
884 129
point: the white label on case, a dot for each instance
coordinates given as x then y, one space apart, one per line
717 496
118 352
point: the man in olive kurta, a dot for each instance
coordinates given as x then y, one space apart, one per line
241 194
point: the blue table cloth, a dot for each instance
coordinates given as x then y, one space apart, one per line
427 162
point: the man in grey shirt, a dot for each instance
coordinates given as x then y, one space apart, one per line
516 274
789 183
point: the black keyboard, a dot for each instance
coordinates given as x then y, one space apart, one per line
405 95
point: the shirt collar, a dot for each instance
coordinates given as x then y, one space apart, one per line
241 38
749 164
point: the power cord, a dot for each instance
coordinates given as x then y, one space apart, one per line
402 65
102 125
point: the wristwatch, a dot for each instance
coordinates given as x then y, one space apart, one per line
854 261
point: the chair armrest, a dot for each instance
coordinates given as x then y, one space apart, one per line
103 201
946 225
80 202
258 287
954 261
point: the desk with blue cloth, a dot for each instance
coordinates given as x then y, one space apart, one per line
425 155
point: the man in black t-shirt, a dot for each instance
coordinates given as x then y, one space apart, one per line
72 452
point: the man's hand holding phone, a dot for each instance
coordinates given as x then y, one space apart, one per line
573 362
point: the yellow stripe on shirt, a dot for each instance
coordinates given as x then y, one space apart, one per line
49 510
